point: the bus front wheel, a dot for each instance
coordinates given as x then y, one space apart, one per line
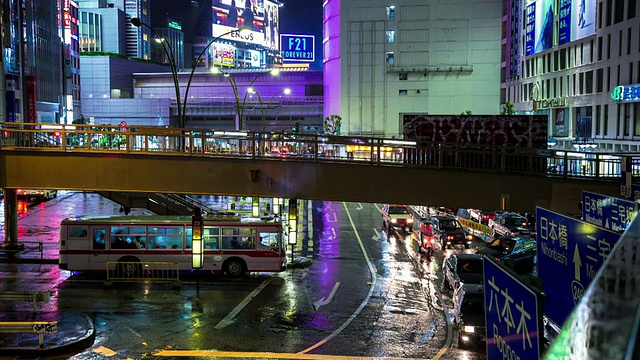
234 267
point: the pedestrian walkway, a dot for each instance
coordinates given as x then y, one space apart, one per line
75 332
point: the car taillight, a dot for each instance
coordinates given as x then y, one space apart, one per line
450 237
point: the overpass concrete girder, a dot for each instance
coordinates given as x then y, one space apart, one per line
292 178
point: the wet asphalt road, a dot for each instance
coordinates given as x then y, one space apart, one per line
387 300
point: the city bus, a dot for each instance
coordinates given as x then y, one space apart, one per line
232 245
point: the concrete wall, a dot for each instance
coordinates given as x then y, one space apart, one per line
428 34
293 179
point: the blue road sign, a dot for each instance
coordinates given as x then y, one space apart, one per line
513 315
570 253
607 212
635 192
298 47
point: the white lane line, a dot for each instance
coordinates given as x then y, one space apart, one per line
372 284
228 320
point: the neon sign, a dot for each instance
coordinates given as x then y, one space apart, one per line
626 93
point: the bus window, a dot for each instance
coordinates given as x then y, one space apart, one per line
238 238
165 237
99 239
128 238
211 238
77 232
268 241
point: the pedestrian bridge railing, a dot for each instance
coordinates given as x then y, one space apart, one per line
310 148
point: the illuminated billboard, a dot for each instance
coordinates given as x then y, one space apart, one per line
539 25
223 54
298 47
577 20
259 16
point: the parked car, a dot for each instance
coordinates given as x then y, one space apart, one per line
448 232
40 195
461 269
397 217
510 224
469 315
523 258
499 247
481 216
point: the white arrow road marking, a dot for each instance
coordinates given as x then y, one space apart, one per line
376 237
359 207
229 318
325 301
333 234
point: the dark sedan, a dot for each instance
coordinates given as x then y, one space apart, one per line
515 252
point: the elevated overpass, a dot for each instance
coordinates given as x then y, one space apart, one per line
356 169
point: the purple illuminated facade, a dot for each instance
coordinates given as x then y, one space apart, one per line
331 56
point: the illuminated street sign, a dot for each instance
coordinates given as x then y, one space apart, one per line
513 315
626 93
298 47
606 211
570 253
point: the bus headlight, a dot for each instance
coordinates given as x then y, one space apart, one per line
393 221
468 329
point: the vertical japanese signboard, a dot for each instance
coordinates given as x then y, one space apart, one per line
513 315
626 178
570 253
607 212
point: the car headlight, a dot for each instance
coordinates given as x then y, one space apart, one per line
469 237
468 329
393 221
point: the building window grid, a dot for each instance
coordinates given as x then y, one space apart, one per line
598 115
620 43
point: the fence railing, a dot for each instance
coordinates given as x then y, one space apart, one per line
139 271
310 148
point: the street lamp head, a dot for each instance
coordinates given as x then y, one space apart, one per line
251 90
275 72
287 91
160 40
136 22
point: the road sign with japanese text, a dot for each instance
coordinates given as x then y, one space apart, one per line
570 253
607 212
513 315
635 192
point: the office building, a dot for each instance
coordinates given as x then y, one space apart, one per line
386 61
578 62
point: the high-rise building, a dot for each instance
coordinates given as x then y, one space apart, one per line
578 62
115 19
171 40
385 61
32 62
68 13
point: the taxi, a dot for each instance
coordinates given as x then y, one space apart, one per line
397 217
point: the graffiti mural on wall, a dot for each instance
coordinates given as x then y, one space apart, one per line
489 130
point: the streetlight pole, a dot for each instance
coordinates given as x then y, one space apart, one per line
182 105
166 47
264 110
234 86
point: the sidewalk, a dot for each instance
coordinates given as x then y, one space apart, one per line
75 332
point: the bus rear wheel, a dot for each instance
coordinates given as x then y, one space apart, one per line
234 267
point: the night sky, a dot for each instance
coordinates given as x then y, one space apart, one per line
296 17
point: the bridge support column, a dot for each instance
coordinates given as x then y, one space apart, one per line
11 221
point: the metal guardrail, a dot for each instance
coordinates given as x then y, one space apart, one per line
311 148
24 327
606 321
32 296
143 271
